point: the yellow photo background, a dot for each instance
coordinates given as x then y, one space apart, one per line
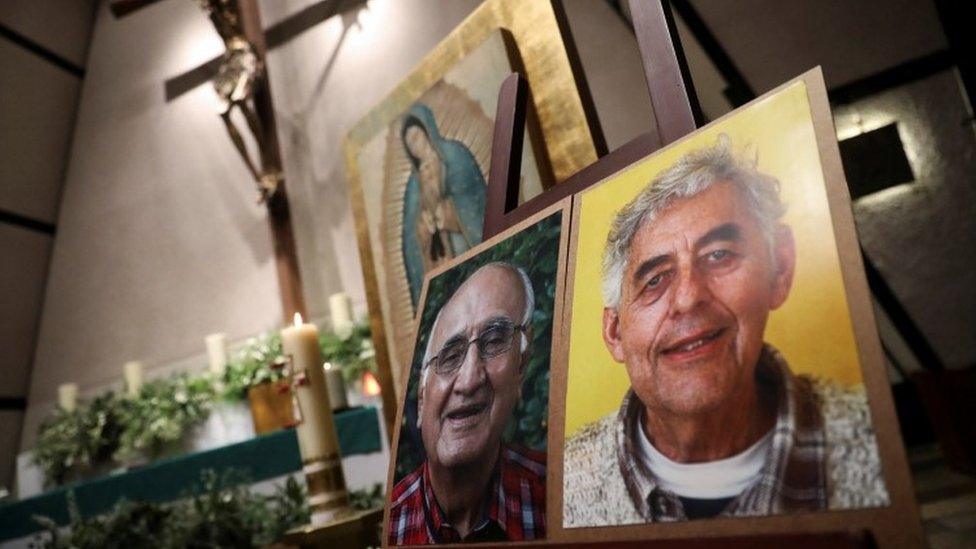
813 328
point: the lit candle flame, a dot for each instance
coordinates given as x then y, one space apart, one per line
298 319
371 387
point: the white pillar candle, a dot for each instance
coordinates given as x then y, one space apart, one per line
317 440
132 371
337 387
316 433
68 396
340 309
217 353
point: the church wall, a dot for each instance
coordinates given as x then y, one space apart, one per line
43 46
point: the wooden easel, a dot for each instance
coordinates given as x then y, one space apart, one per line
677 114
673 99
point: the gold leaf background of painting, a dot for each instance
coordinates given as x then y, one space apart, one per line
460 118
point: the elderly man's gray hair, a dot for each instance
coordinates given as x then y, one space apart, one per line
526 315
692 174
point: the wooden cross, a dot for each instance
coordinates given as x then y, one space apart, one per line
259 114
239 23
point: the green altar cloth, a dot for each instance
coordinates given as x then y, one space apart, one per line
264 457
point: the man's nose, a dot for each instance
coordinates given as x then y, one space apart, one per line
471 375
691 291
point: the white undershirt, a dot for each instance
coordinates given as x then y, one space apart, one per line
722 478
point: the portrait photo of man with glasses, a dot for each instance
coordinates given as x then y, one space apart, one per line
471 458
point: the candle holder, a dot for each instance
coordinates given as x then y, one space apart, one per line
328 499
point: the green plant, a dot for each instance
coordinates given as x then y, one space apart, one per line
162 413
89 435
128 524
354 354
367 498
252 365
225 513
110 427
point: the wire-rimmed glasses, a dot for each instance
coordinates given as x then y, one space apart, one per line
496 339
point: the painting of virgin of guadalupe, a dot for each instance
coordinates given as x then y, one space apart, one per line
444 201
417 163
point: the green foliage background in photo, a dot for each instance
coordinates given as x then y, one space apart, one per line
536 250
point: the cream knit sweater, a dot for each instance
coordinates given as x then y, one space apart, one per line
594 493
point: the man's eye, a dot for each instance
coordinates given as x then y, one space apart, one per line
450 355
655 280
719 255
493 336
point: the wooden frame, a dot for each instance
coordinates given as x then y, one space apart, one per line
562 207
557 106
896 525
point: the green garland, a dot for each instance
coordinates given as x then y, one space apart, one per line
165 410
74 441
122 429
354 354
254 363
252 366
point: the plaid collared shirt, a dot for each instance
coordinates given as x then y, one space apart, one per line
794 477
515 503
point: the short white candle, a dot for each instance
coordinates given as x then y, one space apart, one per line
132 372
340 309
217 353
337 387
68 396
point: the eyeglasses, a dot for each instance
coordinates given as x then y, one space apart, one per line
493 341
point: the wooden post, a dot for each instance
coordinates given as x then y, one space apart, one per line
279 213
669 82
506 153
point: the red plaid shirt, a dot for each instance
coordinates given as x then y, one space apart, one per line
516 504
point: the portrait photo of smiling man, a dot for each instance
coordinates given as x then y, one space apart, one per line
715 421
471 461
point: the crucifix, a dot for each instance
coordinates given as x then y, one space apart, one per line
241 84
240 80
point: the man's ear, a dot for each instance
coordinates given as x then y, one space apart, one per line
611 333
420 401
524 357
784 256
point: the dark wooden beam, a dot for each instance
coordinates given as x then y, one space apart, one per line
28 223
738 92
40 51
957 23
12 403
121 8
899 316
892 77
